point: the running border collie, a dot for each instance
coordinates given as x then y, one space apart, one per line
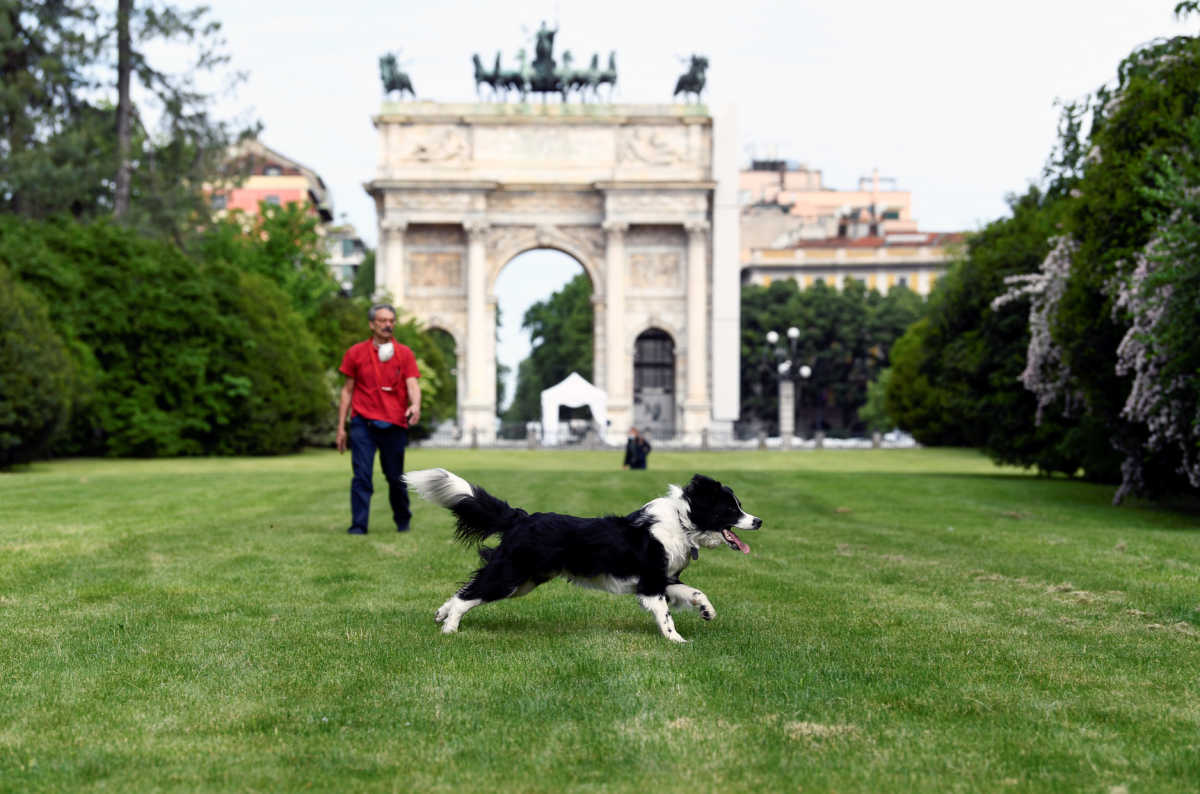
642 553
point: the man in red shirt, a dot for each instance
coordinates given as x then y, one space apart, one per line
382 399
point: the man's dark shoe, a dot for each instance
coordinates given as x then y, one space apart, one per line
356 531
403 527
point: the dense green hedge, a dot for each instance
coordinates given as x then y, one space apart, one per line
190 358
117 344
38 379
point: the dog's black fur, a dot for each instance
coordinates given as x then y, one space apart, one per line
641 553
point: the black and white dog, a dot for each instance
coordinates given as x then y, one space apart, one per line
642 553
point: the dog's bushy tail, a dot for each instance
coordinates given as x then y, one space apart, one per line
479 514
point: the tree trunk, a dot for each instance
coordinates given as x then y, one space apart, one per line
124 107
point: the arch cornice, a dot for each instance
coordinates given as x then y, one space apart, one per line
507 242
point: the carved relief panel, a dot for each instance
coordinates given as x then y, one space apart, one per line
656 257
435 256
436 144
655 146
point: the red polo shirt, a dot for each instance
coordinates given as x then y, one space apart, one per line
380 390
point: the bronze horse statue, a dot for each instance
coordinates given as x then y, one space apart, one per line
394 79
692 81
516 80
482 76
608 76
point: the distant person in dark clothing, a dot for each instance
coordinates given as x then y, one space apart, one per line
637 448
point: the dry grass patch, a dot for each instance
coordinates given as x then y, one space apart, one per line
800 731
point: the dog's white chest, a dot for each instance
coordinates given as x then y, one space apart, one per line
668 530
676 545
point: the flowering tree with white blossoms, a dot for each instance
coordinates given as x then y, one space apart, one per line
1114 332
1160 299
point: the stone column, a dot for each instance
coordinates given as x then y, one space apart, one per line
617 374
725 282
599 349
389 262
696 405
479 408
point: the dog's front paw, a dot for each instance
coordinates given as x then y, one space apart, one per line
449 628
701 602
442 613
676 637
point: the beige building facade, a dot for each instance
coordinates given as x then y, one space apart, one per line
632 192
794 227
910 259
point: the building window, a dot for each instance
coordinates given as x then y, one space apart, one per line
272 199
218 201
272 170
347 247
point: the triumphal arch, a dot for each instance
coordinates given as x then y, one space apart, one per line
642 196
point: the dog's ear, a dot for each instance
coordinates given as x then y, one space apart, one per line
702 491
700 483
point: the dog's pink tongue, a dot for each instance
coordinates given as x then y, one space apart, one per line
732 538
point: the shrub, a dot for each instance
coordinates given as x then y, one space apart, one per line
38 378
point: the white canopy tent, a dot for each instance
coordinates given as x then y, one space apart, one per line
573 391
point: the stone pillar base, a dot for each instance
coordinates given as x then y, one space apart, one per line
479 422
696 417
787 406
720 433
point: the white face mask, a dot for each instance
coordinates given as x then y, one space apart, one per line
386 351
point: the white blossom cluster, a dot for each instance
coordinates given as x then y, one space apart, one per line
1163 406
1045 374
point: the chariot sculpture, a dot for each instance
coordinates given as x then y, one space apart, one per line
544 75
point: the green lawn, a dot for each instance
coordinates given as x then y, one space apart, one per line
909 620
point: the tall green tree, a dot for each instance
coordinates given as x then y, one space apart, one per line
844 338
280 243
956 378
364 278
48 123
76 139
169 144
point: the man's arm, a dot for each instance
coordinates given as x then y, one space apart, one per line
413 415
344 412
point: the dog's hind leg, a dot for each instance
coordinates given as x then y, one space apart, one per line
656 605
495 581
451 612
682 596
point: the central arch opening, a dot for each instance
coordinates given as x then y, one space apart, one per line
545 330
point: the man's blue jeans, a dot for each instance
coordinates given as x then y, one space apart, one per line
365 438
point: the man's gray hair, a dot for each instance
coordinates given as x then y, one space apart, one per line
371 312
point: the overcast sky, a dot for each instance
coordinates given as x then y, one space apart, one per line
954 99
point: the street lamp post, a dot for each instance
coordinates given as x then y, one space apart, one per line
788 373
